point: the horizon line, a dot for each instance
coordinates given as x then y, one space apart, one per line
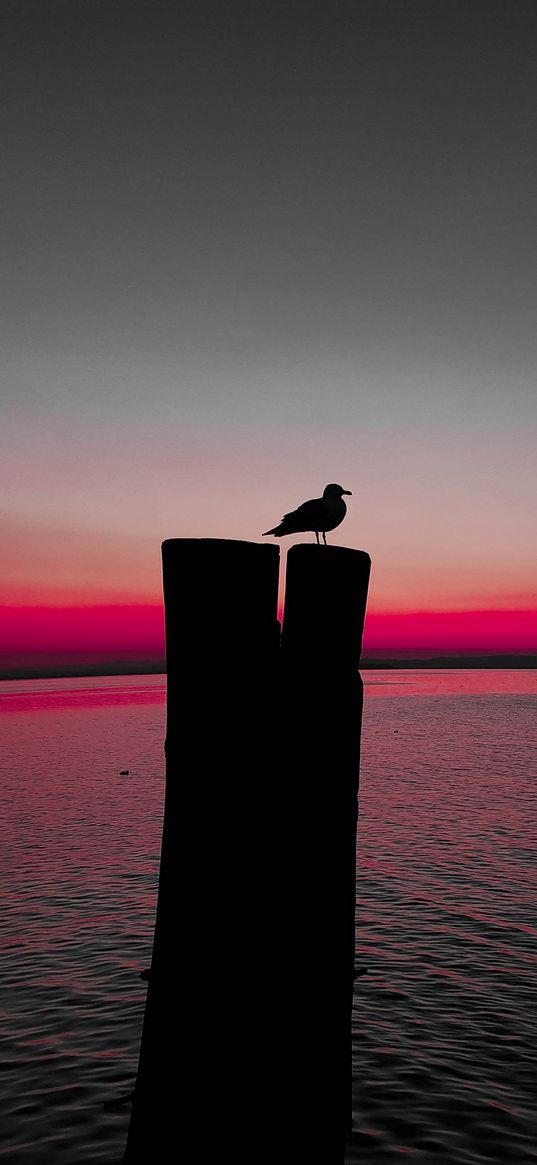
490 661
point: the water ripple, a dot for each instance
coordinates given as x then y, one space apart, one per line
444 1022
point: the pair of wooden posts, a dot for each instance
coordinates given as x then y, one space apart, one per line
246 1042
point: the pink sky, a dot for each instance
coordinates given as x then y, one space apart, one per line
453 552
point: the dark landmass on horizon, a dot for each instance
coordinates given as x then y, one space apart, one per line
158 667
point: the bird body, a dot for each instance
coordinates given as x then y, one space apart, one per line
318 515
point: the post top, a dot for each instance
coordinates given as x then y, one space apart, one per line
309 549
325 601
214 542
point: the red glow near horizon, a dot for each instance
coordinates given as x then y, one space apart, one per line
102 628
478 632
48 636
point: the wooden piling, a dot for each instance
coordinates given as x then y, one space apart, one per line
194 1089
322 697
245 1049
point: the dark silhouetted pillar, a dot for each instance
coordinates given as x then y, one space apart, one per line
196 1094
245 1051
326 592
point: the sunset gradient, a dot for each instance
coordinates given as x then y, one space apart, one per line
245 258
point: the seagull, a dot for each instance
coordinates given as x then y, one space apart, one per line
319 515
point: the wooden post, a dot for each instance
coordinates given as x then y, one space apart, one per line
195 1085
245 1049
325 602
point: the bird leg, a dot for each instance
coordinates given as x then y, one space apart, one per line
324 537
317 537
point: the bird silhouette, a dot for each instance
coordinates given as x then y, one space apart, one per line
319 515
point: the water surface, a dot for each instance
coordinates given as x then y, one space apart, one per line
444 1023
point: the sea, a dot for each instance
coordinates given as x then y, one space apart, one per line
445 1013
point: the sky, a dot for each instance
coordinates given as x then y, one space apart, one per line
249 249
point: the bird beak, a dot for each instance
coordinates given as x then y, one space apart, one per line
347 491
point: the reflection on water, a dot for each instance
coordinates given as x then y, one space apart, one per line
444 1026
81 692
450 682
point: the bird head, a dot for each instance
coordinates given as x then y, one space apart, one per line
335 491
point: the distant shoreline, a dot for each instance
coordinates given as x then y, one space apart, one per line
142 667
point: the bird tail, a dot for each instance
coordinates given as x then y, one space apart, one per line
278 531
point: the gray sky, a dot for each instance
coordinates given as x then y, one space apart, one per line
229 187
